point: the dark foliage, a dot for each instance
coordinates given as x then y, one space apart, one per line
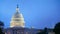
1 31
57 28
1 24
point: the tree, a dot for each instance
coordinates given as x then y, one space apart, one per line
1 27
45 30
1 31
57 28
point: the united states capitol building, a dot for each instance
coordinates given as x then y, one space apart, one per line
17 25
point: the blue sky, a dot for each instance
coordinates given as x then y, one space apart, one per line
37 13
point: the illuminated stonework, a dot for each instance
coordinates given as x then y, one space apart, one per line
17 19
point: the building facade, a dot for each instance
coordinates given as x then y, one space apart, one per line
20 30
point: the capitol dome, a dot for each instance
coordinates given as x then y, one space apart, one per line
17 19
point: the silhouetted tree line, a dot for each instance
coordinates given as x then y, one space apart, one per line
56 29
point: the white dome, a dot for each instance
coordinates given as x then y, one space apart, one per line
17 20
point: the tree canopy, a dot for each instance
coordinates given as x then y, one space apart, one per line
1 30
57 28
